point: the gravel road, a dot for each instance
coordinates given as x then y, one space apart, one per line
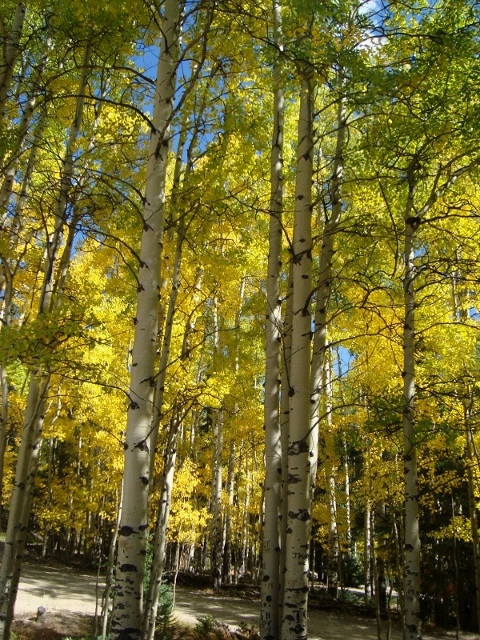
61 589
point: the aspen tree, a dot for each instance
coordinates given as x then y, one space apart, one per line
300 445
38 387
230 491
180 222
13 225
11 53
414 217
346 468
169 456
160 536
323 290
471 461
271 547
110 577
467 401
166 480
412 536
333 568
28 111
230 484
430 156
320 362
26 512
5 316
216 543
286 354
127 612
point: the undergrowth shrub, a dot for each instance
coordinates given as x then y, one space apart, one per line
166 623
207 628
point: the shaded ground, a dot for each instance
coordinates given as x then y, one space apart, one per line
69 597
57 588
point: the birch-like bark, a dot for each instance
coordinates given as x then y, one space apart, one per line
333 542
28 110
51 445
271 549
346 469
166 479
3 426
461 315
110 576
22 495
12 50
27 505
413 218
29 169
367 561
28 456
15 226
471 464
245 533
165 332
230 491
160 537
397 535
300 445
227 528
325 275
55 241
348 507
412 535
6 286
5 316
286 354
9 170
169 456
216 502
128 607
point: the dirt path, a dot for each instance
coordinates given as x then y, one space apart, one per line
61 589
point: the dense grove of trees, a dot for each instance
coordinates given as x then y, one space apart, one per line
239 257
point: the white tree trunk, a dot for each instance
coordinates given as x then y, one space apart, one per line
413 217
412 535
28 173
166 480
110 577
22 496
230 491
5 316
12 50
348 508
38 390
367 561
166 342
331 486
26 506
160 538
9 164
270 612
284 428
300 445
127 613
330 227
55 241
216 504
471 464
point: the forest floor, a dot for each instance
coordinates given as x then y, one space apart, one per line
69 597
